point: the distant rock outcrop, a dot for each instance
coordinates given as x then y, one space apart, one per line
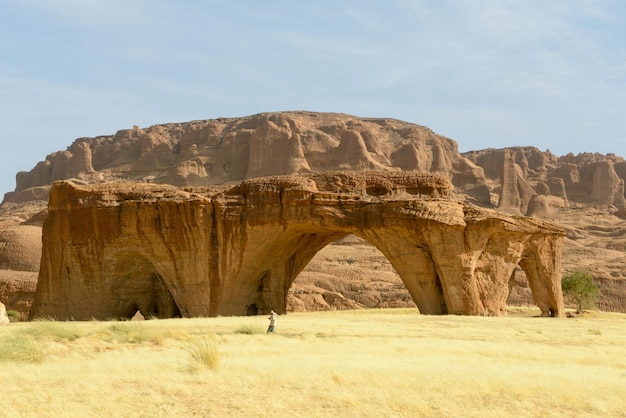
518 174
230 150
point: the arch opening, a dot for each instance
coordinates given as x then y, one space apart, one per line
519 289
349 273
136 286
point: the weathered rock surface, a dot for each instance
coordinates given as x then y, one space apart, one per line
20 255
230 150
573 190
17 290
516 175
113 249
20 247
4 318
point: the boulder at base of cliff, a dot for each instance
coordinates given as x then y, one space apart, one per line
4 318
541 206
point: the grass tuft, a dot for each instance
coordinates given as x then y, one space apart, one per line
204 352
22 349
130 333
54 331
14 316
249 330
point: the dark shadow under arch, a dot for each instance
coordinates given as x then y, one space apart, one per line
519 289
137 286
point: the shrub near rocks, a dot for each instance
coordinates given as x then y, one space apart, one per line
14 316
580 288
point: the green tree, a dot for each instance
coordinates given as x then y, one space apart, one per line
580 288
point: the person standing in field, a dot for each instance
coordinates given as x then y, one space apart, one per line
272 318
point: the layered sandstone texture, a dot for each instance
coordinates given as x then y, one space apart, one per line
20 254
230 150
584 193
4 318
522 180
114 249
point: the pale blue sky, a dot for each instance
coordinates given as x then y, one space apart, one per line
487 73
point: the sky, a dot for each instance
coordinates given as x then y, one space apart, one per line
486 73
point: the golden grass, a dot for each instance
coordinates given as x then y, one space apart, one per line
366 363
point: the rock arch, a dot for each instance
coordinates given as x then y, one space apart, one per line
135 284
235 250
415 270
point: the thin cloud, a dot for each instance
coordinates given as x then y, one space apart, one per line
486 73
98 14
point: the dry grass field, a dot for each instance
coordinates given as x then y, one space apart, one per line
363 363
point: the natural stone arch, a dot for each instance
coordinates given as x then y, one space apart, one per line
288 248
136 285
236 250
348 273
267 288
416 268
284 254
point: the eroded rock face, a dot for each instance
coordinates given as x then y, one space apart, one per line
112 249
517 174
4 318
20 254
20 246
17 291
230 150
572 190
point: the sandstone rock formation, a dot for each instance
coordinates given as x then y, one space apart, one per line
584 192
516 175
17 290
4 318
20 254
229 150
112 249
20 247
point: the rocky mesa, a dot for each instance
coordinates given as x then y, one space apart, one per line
583 193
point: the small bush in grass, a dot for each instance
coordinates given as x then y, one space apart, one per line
14 316
20 348
204 352
580 288
246 329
